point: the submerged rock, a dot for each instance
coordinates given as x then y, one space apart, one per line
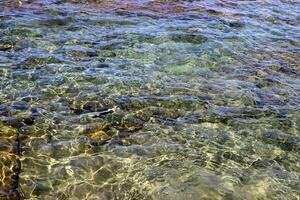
20 105
236 24
9 167
9 163
289 71
54 22
147 113
282 140
21 32
214 12
188 38
131 123
103 65
41 187
76 51
268 81
260 164
99 133
7 43
8 130
8 145
152 39
233 156
122 141
37 61
102 175
87 163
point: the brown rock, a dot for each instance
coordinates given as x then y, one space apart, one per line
99 135
9 166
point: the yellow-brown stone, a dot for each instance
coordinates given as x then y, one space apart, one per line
99 135
7 131
9 163
9 169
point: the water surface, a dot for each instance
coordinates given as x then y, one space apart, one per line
143 99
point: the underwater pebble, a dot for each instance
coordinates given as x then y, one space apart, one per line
102 175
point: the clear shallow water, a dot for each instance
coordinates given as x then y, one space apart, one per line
149 99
